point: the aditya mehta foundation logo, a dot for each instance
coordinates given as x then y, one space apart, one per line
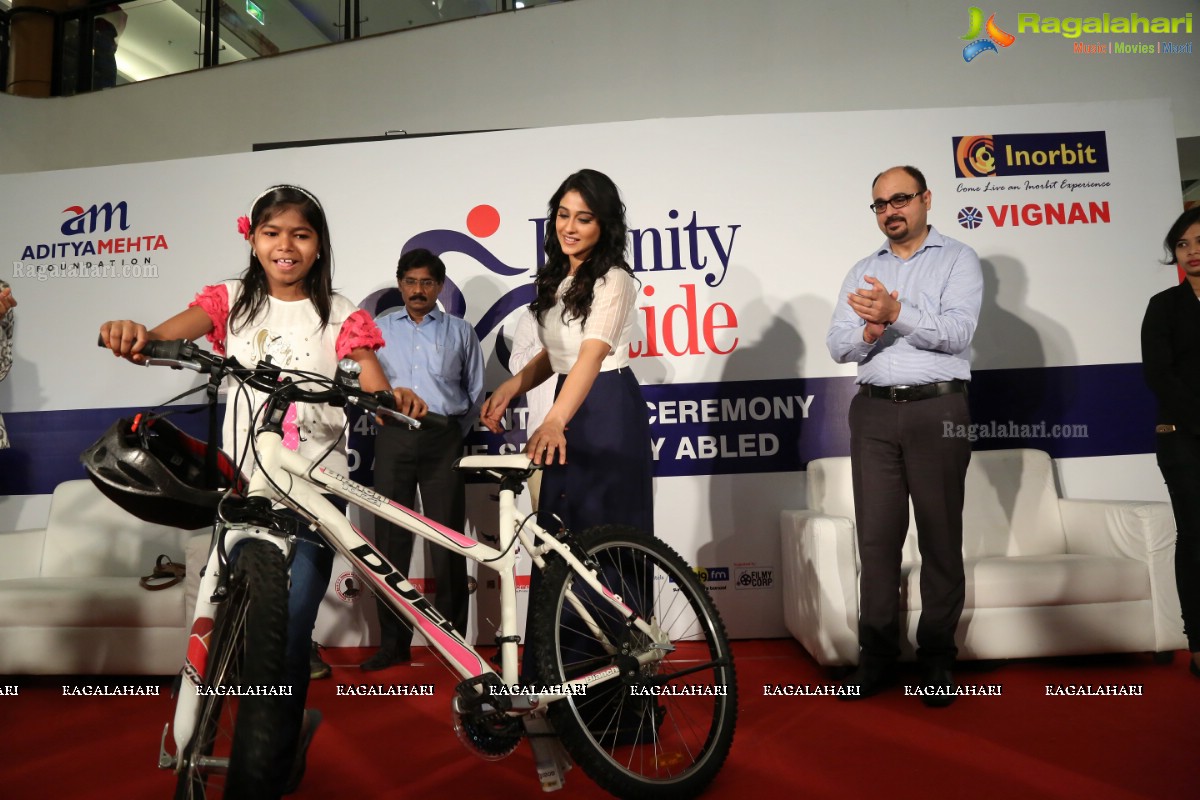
976 44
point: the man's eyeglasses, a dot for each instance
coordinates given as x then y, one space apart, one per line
895 201
412 283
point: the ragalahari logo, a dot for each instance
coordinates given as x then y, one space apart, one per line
995 36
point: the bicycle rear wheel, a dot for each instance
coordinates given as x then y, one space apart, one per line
234 736
665 727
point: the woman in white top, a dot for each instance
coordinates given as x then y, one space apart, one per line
595 440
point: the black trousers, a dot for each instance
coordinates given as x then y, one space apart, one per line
1179 461
407 460
898 451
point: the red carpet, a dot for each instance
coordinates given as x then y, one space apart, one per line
1022 744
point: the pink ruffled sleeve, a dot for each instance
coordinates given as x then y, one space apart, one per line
214 300
359 330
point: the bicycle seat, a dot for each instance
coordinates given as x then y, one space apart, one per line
517 465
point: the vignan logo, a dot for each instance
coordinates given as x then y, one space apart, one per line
995 36
1003 155
1013 215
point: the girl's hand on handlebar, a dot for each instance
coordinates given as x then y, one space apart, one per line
409 404
125 338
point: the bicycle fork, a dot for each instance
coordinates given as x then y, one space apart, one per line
195 665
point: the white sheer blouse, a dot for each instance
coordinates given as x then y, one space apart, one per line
610 321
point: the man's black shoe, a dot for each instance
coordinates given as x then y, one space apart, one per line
937 687
865 681
385 657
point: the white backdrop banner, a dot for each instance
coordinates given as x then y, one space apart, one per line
742 229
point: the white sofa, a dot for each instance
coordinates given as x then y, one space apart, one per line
1045 575
70 602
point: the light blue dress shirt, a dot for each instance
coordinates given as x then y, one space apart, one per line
941 289
440 359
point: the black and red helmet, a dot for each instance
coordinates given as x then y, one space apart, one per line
156 472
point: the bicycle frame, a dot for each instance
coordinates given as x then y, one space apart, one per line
287 477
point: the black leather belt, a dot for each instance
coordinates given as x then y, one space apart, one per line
907 394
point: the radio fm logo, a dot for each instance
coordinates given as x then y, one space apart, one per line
995 35
707 574
1005 155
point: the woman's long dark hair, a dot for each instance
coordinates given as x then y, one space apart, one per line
604 200
318 283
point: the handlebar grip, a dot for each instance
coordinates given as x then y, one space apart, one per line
173 349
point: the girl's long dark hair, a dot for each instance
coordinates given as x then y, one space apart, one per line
603 198
318 283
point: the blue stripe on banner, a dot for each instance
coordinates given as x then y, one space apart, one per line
721 428
46 444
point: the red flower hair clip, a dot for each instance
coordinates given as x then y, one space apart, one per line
243 223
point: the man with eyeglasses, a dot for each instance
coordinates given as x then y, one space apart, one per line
906 317
427 348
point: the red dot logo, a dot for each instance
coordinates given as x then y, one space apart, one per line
482 221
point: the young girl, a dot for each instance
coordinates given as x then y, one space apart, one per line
284 307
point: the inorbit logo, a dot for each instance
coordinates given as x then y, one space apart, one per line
976 26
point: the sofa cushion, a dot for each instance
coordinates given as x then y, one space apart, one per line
1029 581
89 602
88 535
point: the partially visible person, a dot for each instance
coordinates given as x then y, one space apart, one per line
526 345
106 28
1171 362
283 306
7 324
438 356
907 315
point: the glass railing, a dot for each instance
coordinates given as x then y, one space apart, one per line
107 44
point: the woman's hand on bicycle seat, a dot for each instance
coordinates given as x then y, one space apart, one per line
125 338
547 441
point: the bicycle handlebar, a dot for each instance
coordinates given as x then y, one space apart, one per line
267 378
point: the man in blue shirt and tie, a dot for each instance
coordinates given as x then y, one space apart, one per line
906 316
438 356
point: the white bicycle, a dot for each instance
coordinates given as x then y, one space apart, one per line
634 674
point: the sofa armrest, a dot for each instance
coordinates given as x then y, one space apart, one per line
1118 529
1142 531
820 584
21 553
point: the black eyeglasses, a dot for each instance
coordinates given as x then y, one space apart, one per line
895 201
424 283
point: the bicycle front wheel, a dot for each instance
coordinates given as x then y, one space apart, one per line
235 735
665 727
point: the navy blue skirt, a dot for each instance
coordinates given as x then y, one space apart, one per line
608 477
